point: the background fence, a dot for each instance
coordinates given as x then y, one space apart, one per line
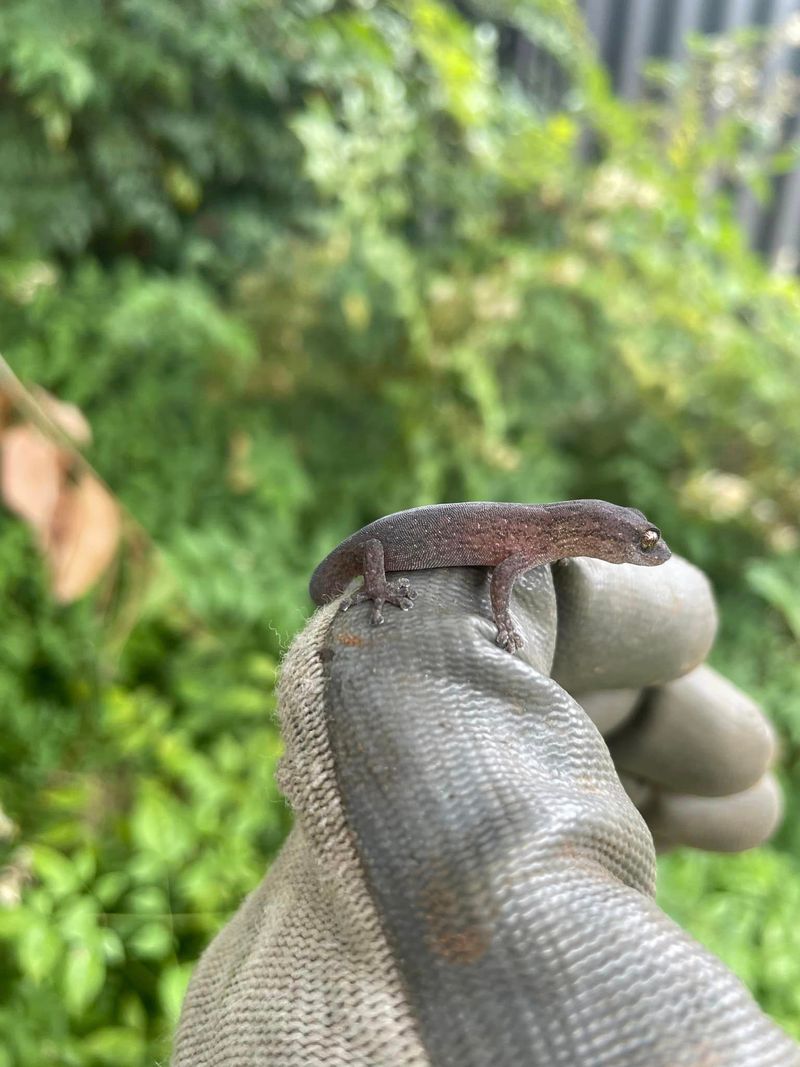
631 32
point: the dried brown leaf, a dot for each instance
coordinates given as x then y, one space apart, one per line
83 539
30 475
67 416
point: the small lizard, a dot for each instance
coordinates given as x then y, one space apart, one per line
510 538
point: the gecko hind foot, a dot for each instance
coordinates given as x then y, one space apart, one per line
404 588
398 593
509 637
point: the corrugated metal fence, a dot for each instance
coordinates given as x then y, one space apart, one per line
629 32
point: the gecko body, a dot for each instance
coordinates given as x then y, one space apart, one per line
509 538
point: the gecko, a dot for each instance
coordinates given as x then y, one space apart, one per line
509 538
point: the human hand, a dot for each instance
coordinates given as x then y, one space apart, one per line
692 750
467 883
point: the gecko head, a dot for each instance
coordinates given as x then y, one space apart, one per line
621 535
636 540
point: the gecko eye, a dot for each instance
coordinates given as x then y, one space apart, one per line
649 539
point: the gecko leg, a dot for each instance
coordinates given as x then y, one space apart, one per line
502 582
376 587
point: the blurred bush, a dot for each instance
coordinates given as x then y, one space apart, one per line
302 264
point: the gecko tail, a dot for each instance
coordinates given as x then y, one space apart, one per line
317 586
333 576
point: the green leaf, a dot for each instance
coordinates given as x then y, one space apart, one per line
148 899
777 584
172 988
39 949
118 1046
85 864
113 948
78 919
151 941
159 824
109 887
56 871
84 974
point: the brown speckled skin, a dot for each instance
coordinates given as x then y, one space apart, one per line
512 538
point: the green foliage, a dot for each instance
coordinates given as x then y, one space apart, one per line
150 822
744 909
301 264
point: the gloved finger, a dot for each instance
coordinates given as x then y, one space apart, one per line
624 627
610 709
699 735
718 824
512 875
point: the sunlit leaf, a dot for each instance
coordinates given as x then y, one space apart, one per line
777 584
172 988
84 973
151 941
56 870
117 1046
39 949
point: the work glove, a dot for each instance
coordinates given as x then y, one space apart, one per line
467 882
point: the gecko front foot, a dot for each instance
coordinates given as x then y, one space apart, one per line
508 636
398 593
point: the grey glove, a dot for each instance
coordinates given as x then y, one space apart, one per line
693 753
467 883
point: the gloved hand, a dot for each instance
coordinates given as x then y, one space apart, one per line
467 883
691 749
